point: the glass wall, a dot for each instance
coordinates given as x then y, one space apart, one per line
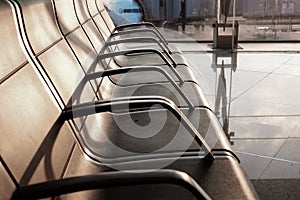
259 20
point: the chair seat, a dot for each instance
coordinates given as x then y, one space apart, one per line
173 48
111 136
190 89
185 72
148 59
220 179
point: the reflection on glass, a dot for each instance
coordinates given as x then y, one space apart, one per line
270 20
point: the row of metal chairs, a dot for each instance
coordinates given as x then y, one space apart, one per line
90 113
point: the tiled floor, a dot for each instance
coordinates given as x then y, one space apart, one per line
256 94
261 100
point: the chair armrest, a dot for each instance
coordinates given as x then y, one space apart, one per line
110 179
134 69
136 103
118 28
137 51
140 39
125 32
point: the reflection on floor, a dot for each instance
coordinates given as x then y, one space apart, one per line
256 96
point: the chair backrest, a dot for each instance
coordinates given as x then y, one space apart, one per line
35 147
81 11
12 57
63 60
91 5
101 24
109 23
88 25
12 60
100 4
76 36
85 40
64 71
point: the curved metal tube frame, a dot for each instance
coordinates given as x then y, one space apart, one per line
110 179
137 51
118 28
140 39
139 31
136 103
133 69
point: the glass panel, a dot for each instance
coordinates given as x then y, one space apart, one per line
259 20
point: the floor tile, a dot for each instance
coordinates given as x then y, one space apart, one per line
259 62
261 147
252 105
281 170
289 69
243 81
282 89
208 76
295 60
296 132
253 165
277 89
220 84
263 109
263 127
290 150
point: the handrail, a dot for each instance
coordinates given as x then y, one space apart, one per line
138 160
137 102
140 31
133 69
137 51
118 28
110 179
140 39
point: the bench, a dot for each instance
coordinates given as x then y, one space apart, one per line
72 120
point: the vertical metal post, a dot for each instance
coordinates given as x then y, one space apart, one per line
233 24
219 11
